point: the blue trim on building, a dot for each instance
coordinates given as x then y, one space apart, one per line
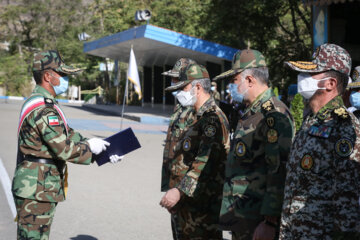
166 36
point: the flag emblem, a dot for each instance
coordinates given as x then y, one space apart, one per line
53 120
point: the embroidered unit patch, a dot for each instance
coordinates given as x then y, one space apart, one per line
210 130
272 135
343 147
186 144
240 149
307 162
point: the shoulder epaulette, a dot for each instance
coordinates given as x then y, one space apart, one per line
341 113
267 106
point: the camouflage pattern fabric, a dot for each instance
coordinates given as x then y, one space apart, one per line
243 59
216 95
204 147
34 218
255 167
322 184
182 62
52 60
326 57
188 74
173 167
39 139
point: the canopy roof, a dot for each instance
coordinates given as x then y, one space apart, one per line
157 46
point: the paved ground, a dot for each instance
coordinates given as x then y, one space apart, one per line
109 202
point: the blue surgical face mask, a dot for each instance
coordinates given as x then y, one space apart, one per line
174 93
236 96
355 99
63 86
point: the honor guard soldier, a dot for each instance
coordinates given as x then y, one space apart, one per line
45 144
355 93
323 172
255 167
196 196
182 117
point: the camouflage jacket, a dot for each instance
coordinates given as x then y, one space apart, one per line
40 139
255 167
204 147
323 176
179 121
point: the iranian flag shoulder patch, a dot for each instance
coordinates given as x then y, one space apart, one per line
53 120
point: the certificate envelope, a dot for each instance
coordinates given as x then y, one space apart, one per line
121 143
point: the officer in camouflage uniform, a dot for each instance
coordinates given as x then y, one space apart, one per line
214 93
182 117
196 198
46 143
323 172
255 167
354 97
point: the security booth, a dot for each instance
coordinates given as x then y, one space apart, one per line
336 21
156 50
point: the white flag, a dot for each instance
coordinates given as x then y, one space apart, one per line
133 74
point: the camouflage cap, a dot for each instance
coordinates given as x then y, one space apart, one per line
356 78
243 59
52 60
182 62
188 74
326 57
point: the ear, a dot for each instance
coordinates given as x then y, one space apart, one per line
251 80
46 77
331 84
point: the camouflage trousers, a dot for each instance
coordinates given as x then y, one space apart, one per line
34 218
193 225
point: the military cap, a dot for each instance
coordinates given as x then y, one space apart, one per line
174 72
188 74
326 57
52 60
243 59
356 78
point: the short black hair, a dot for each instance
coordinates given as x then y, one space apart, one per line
342 79
38 75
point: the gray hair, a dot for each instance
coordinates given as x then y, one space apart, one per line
260 73
205 84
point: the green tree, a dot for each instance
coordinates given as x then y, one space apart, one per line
297 110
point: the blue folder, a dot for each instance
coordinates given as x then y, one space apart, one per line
121 143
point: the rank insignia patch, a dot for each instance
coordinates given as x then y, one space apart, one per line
240 149
307 162
270 121
268 106
210 130
53 120
320 131
341 112
177 132
272 135
186 144
343 147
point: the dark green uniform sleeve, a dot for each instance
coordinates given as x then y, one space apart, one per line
72 147
278 134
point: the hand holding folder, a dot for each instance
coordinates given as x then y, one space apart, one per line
121 143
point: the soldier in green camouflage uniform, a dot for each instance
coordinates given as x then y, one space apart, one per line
196 198
179 120
46 143
214 93
323 172
255 167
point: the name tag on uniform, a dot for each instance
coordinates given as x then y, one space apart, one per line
320 131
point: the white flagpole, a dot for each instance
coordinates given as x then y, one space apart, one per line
125 94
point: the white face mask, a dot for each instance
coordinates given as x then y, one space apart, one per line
212 88
186 98
307 86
